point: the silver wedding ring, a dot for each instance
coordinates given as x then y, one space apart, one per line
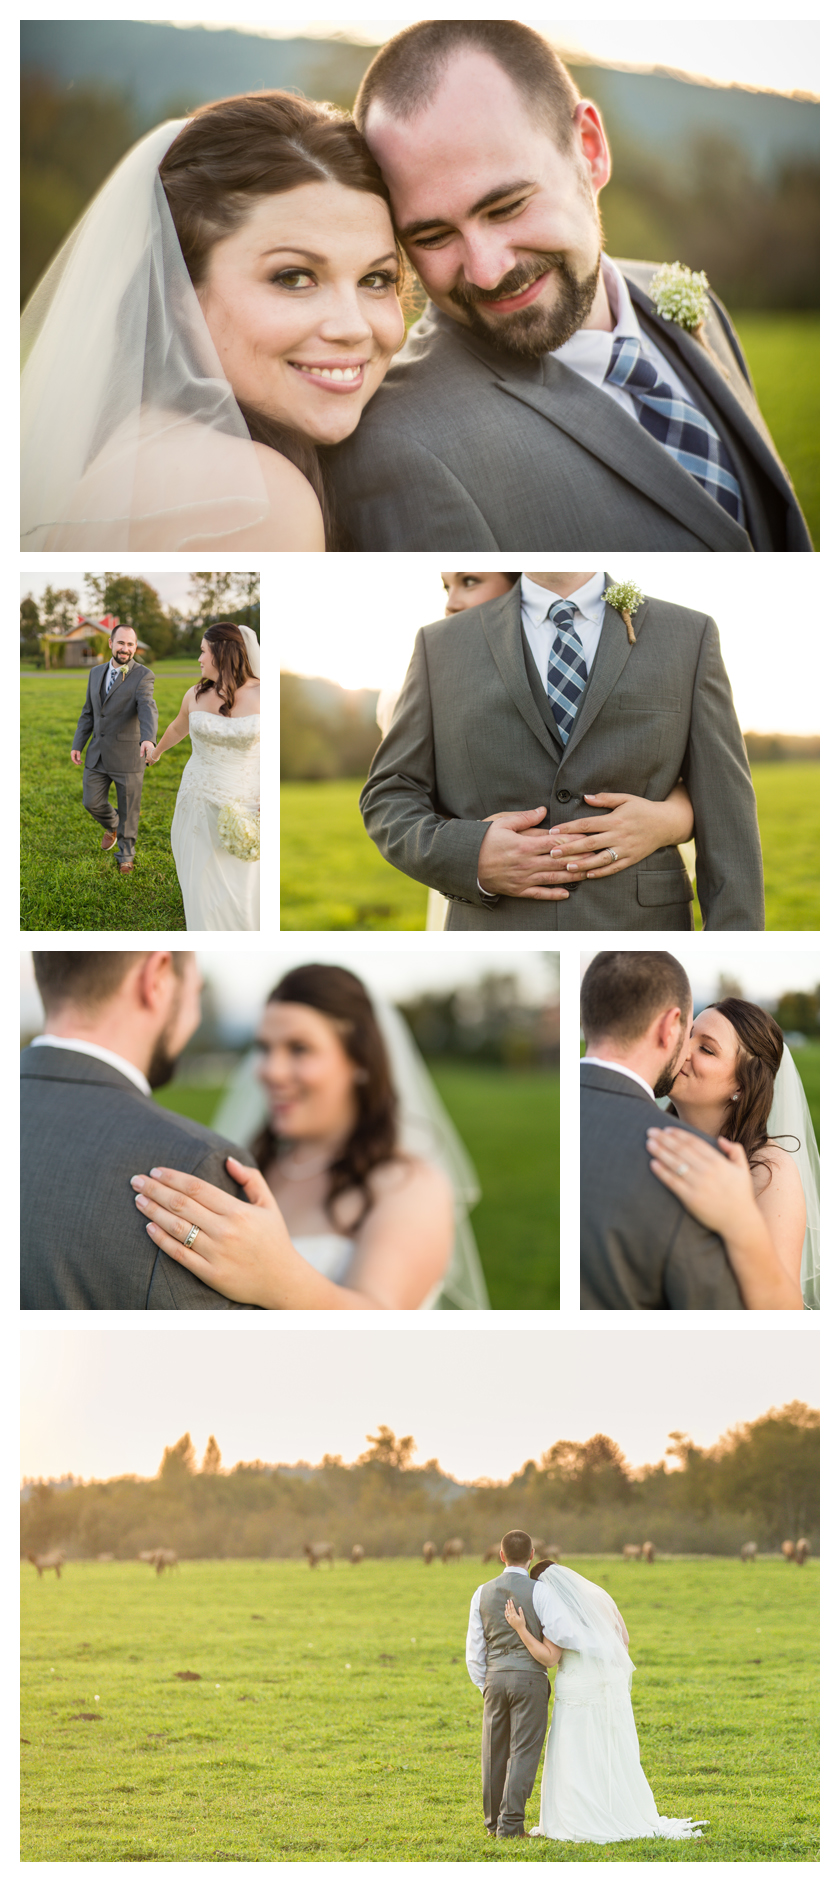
613 854
189 1238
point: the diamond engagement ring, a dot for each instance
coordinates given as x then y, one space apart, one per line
681 1169
190 1238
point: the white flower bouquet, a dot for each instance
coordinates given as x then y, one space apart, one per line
239 832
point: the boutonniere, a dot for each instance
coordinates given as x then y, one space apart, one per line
680 295
626 598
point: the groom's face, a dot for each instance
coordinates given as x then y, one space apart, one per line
501 225
123 646
183 1018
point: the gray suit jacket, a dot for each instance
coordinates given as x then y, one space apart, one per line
119 725
465 447
472 734
85 1131
638 1246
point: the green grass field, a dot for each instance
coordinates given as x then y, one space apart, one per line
332 876
322 1729
66 882
510 1123
783 351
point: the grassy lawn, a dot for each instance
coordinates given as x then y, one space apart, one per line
510 1123
322 1730
332 875
66 881
783 352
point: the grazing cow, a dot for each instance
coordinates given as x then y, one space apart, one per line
55 1560
316 1552
357 1553
749 1551
491 1554
429 1552
452 1550
632 1551
803 1550
648 1552
164 1558
789 1551
546 1551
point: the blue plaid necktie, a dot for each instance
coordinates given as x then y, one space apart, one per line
567 674
680 427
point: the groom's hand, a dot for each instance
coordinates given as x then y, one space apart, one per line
76 757
147 750
515 859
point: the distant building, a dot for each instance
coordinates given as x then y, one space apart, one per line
82 644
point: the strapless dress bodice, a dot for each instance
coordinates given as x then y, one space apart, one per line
225 762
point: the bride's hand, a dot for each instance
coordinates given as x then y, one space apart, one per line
515 1616
240 1248
633 826
150 751
715 1186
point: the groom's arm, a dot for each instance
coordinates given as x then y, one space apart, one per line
147 711
730 878
85 725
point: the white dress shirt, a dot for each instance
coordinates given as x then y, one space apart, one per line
114 670
98 1052
546 1606
589 351
540 632
611 1065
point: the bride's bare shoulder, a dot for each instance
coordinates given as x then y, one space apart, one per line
777 1169
294 511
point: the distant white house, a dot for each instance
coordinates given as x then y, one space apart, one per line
82 644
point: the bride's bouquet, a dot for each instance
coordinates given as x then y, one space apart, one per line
239 832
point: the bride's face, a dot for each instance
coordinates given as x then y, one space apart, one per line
708 1074
468 590
209 669
309 1079
301 303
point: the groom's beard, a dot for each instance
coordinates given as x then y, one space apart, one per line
536 330
664 1083
164 1061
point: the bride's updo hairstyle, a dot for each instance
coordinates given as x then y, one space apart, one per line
342 999
228 157
230 655
760 1047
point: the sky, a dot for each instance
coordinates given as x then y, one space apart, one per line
763 976
355 622
174 590
243 982
99 1404
777 55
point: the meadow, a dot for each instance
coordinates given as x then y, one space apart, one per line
332 876
320 1729
65 880
510 1123
783 352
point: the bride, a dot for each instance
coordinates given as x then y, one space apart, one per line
228 304
215 828
593 1787
760 1188
362 1194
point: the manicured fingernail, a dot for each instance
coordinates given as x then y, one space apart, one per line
138 1182
571 866
156 1172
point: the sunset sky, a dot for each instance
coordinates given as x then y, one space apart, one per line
104 1403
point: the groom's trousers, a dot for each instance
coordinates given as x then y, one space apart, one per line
125 819
515 1720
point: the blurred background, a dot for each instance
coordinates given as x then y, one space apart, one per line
714 132
786 984
488 1029
347 639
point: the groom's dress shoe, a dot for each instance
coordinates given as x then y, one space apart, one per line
126 868
109 839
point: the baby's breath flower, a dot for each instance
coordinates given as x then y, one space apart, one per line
626 598
239 832
679 295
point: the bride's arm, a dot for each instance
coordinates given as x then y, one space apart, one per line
405 1241
716 1186
243 1249
176 731
542 1650
634 826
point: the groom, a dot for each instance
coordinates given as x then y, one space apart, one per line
114 1026
120 714
527 704
639 1248
543 395
514 1685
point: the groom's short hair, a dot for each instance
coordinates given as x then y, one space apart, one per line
517 1547
86 980
622 994
408 70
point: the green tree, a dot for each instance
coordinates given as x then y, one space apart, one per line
30 627
59 608
387 1451
71 138
212 1460
772 1468
136 604
800 1012
178 1461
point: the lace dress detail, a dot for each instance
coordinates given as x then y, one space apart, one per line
219 891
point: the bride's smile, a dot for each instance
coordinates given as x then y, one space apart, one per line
302 305
309 1079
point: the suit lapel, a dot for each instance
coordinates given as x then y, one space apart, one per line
119 683
502 625
614 650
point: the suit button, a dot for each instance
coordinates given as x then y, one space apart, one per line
564 797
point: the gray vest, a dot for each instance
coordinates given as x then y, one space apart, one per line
505 1650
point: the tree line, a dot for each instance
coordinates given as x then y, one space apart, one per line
169 633
759 1482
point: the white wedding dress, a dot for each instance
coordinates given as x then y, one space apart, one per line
593 1787
219 890
331 1255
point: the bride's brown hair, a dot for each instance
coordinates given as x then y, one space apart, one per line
342 999
760 1047
234 152
230 655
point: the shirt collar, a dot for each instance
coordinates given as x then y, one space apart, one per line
92 1051
590 349
612 1065
536 601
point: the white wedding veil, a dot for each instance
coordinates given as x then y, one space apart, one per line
130 434
590 1622
425 1130
252 649
790 1123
